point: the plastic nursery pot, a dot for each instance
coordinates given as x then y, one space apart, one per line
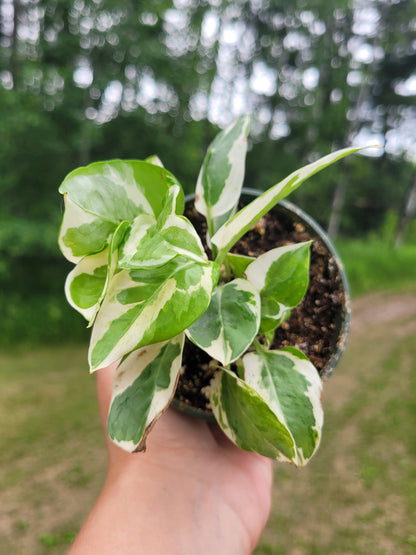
319 326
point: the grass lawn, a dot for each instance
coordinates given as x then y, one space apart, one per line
357 496
374 265
52 455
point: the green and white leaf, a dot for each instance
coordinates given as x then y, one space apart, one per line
238 225
84 285
247 420
230 323
143 247
155 160
282 276
82 233
142 307
143 388
99 196
151 244
119 190
112 267
169 205
177 231
222 174
290 385
87 283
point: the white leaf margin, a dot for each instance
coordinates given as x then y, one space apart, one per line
130 369
229 233
252 372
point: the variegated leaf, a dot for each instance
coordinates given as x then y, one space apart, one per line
152 243
169 205
142 307
155 160
143 387
282 276
81 233
179 233
239 224
119 190
230 323
246 419
99 196
142 247
87 283
222 173
84 285
290 385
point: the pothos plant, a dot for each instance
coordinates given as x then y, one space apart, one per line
144 282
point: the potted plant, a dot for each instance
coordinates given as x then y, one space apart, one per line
144 282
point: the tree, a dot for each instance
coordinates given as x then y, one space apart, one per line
82 80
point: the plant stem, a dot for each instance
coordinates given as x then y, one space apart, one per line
258 345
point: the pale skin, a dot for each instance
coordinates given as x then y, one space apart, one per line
192 491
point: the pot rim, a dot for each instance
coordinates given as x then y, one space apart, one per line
327 241
345 317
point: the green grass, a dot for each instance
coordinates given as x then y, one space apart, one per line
57 540
52 454
357 496
373 265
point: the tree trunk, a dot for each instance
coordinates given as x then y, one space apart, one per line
337 206
408 213
14 57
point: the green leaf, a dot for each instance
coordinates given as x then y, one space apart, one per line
238 225
290 385
238 263
142 307
222 173
170 203
143 387
282 276
230 323
246 418
179 233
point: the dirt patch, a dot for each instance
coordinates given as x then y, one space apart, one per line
56 499
380 319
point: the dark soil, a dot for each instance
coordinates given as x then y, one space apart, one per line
311 326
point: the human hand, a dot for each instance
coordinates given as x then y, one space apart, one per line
192 491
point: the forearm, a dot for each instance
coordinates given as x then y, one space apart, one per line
131 517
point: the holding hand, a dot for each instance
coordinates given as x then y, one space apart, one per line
192 491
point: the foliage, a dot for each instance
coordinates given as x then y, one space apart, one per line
143 281
84 81
95 80
374 265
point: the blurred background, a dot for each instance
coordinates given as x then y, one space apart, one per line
88 80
